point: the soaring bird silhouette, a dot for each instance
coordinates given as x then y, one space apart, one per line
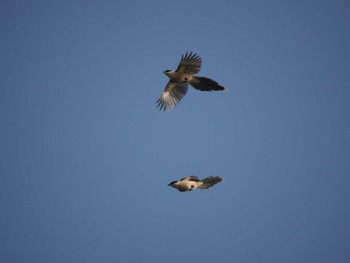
189 66
193 182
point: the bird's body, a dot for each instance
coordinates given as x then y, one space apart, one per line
193 182
190 64
178 78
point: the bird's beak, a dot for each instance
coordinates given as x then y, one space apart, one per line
171 183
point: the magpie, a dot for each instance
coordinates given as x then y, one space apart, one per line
176 89
193 182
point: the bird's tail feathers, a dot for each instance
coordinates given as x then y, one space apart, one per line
205 84
210 181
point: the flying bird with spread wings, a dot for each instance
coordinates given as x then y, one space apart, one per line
193 182
190 64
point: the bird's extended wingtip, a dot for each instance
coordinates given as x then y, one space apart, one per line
226 89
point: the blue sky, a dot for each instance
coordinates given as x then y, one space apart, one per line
86 157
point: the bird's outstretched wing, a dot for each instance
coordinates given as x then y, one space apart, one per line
172 95
210 181
190 63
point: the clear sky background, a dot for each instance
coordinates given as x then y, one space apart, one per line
85 156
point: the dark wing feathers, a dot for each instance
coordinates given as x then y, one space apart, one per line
190 63
210 181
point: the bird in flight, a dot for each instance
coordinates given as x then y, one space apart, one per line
193 182
176 89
